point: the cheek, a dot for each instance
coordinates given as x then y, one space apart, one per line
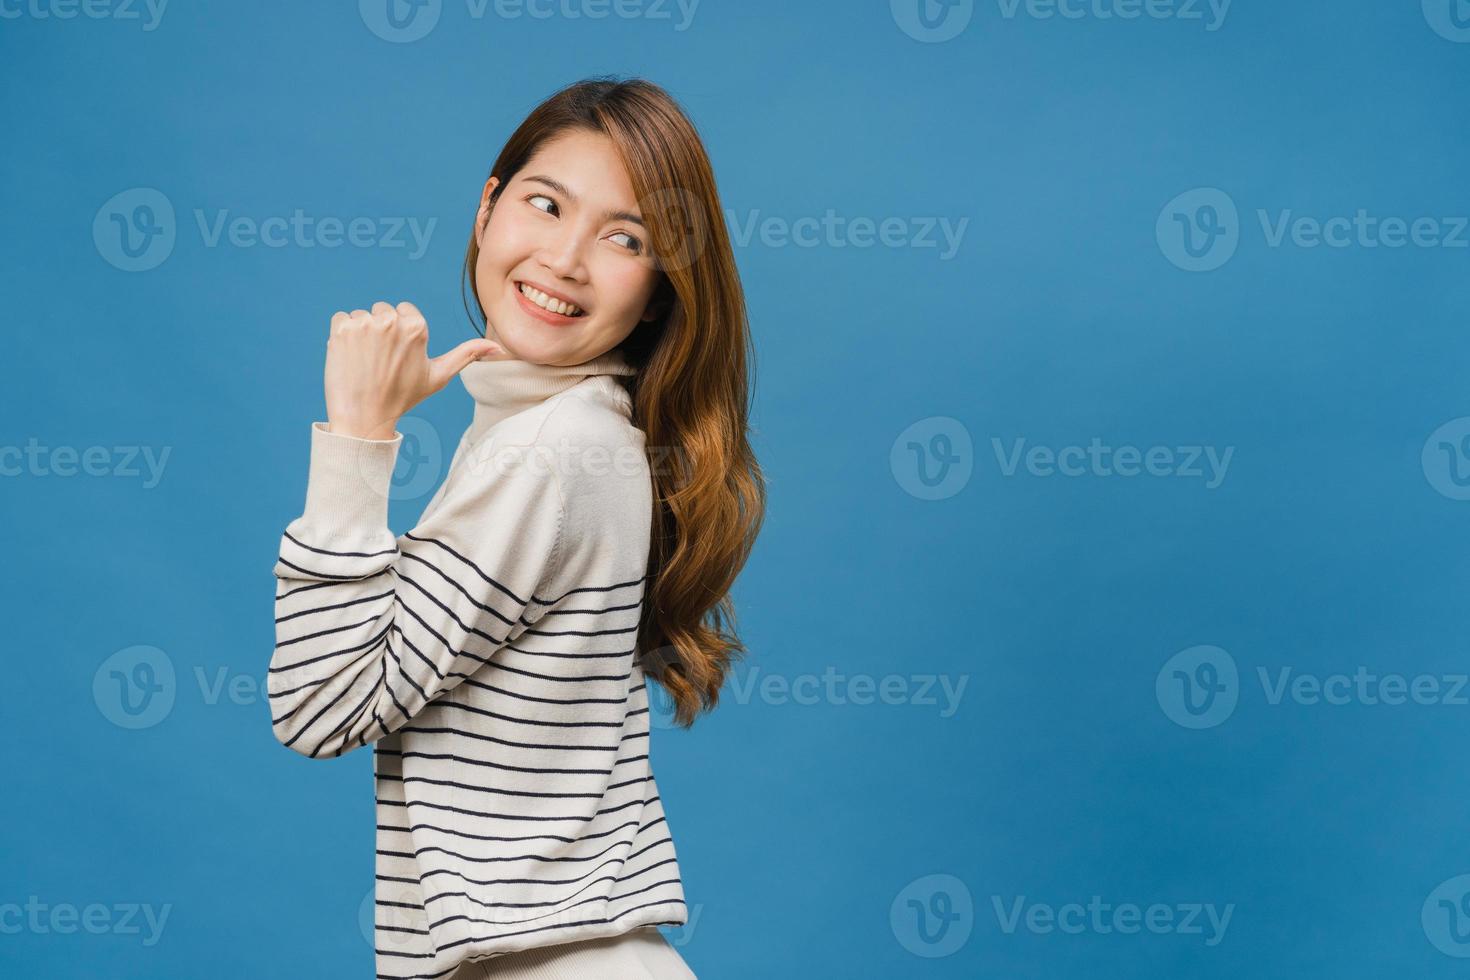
504 243
488 277
629 286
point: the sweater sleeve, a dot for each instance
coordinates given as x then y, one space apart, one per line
371 628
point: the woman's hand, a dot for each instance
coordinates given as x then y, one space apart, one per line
378 368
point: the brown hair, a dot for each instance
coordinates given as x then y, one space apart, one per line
691 394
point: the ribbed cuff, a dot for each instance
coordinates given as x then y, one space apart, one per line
348 483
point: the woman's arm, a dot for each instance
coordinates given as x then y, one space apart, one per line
371 628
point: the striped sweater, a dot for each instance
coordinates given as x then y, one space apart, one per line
488 656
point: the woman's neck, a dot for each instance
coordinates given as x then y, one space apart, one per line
502 388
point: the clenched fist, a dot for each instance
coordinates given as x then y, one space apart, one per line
378 368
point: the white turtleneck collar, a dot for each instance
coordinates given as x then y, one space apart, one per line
507 387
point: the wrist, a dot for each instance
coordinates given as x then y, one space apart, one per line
364 430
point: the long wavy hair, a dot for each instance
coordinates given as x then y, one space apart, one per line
691 395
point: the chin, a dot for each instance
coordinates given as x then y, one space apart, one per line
528 343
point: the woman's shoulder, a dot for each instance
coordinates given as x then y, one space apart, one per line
589 436
595 412
601 465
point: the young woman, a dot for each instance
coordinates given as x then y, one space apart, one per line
594 517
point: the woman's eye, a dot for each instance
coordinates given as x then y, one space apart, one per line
634 244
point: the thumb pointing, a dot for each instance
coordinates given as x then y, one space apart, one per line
447 365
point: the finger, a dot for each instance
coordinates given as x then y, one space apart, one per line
355 320
410 317
446 366
383 314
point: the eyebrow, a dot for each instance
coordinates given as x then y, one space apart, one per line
564 191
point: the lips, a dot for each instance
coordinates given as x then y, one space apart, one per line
540 294
541 313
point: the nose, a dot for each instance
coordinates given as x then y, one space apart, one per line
561 253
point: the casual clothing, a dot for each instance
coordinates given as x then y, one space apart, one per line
641 954
488 656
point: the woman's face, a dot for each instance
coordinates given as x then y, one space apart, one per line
566 225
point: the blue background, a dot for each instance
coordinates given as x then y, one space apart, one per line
1334 541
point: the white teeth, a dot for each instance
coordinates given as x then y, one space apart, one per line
547 303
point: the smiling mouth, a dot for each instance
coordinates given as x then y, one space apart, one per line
532 294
